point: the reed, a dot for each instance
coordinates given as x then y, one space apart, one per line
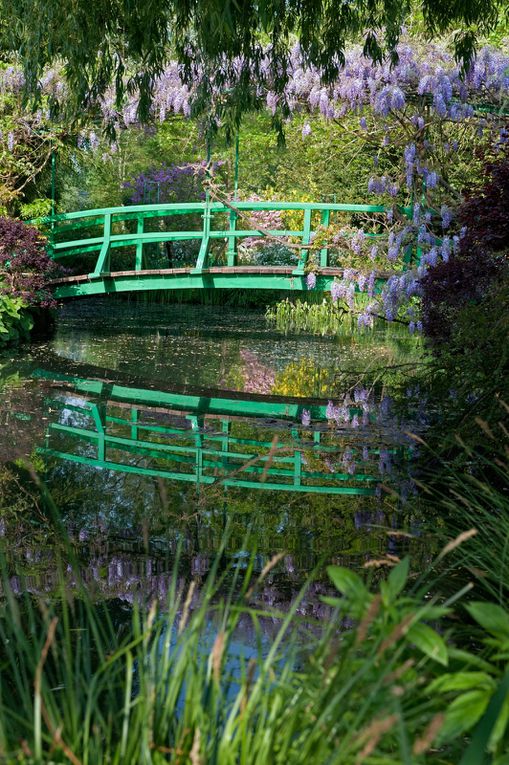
167 682
318 318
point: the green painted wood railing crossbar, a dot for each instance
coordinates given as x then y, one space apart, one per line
112 228
263 406
200 456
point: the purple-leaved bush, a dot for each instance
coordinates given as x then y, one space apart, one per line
25 266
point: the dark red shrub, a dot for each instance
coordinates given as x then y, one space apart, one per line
25 266
481 261
485 211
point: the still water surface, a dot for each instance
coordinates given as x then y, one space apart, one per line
158 427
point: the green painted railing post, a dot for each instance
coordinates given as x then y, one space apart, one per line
196 423
306 236
324 252
102 267
98 414
201 263
139 245
225 442
231 253
134 426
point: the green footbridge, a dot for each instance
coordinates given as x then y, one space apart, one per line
208 440
117 249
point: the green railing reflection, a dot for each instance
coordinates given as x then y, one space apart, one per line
243 443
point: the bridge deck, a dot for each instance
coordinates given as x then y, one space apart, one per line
225 277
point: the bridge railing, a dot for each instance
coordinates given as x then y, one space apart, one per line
201 450
100 231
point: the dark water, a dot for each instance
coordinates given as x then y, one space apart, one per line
158 428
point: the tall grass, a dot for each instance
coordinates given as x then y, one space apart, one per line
168 682
405 670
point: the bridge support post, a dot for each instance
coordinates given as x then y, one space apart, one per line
102 267
324 252
306 236
231 253
225 442
201 263
139 245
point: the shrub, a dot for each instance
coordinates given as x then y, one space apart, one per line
480 262
24 264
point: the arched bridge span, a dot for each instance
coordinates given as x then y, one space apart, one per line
124 249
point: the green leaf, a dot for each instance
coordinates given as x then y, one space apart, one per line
462 681
481 738
493 618
500 726
436 612
349 583
463 713
470 659
334 602
397 578
429 642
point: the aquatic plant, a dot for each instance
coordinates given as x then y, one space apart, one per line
323 318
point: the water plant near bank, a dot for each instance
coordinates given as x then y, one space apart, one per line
326 318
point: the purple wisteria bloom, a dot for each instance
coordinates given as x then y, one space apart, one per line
306 418
335 291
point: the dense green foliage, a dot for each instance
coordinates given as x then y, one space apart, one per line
15 323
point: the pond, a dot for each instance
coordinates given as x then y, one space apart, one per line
157 427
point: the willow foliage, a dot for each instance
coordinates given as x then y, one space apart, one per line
219 42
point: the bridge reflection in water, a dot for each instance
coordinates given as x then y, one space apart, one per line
249 442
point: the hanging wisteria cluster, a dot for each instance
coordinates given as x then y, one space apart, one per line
410 115
170 183
26 139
